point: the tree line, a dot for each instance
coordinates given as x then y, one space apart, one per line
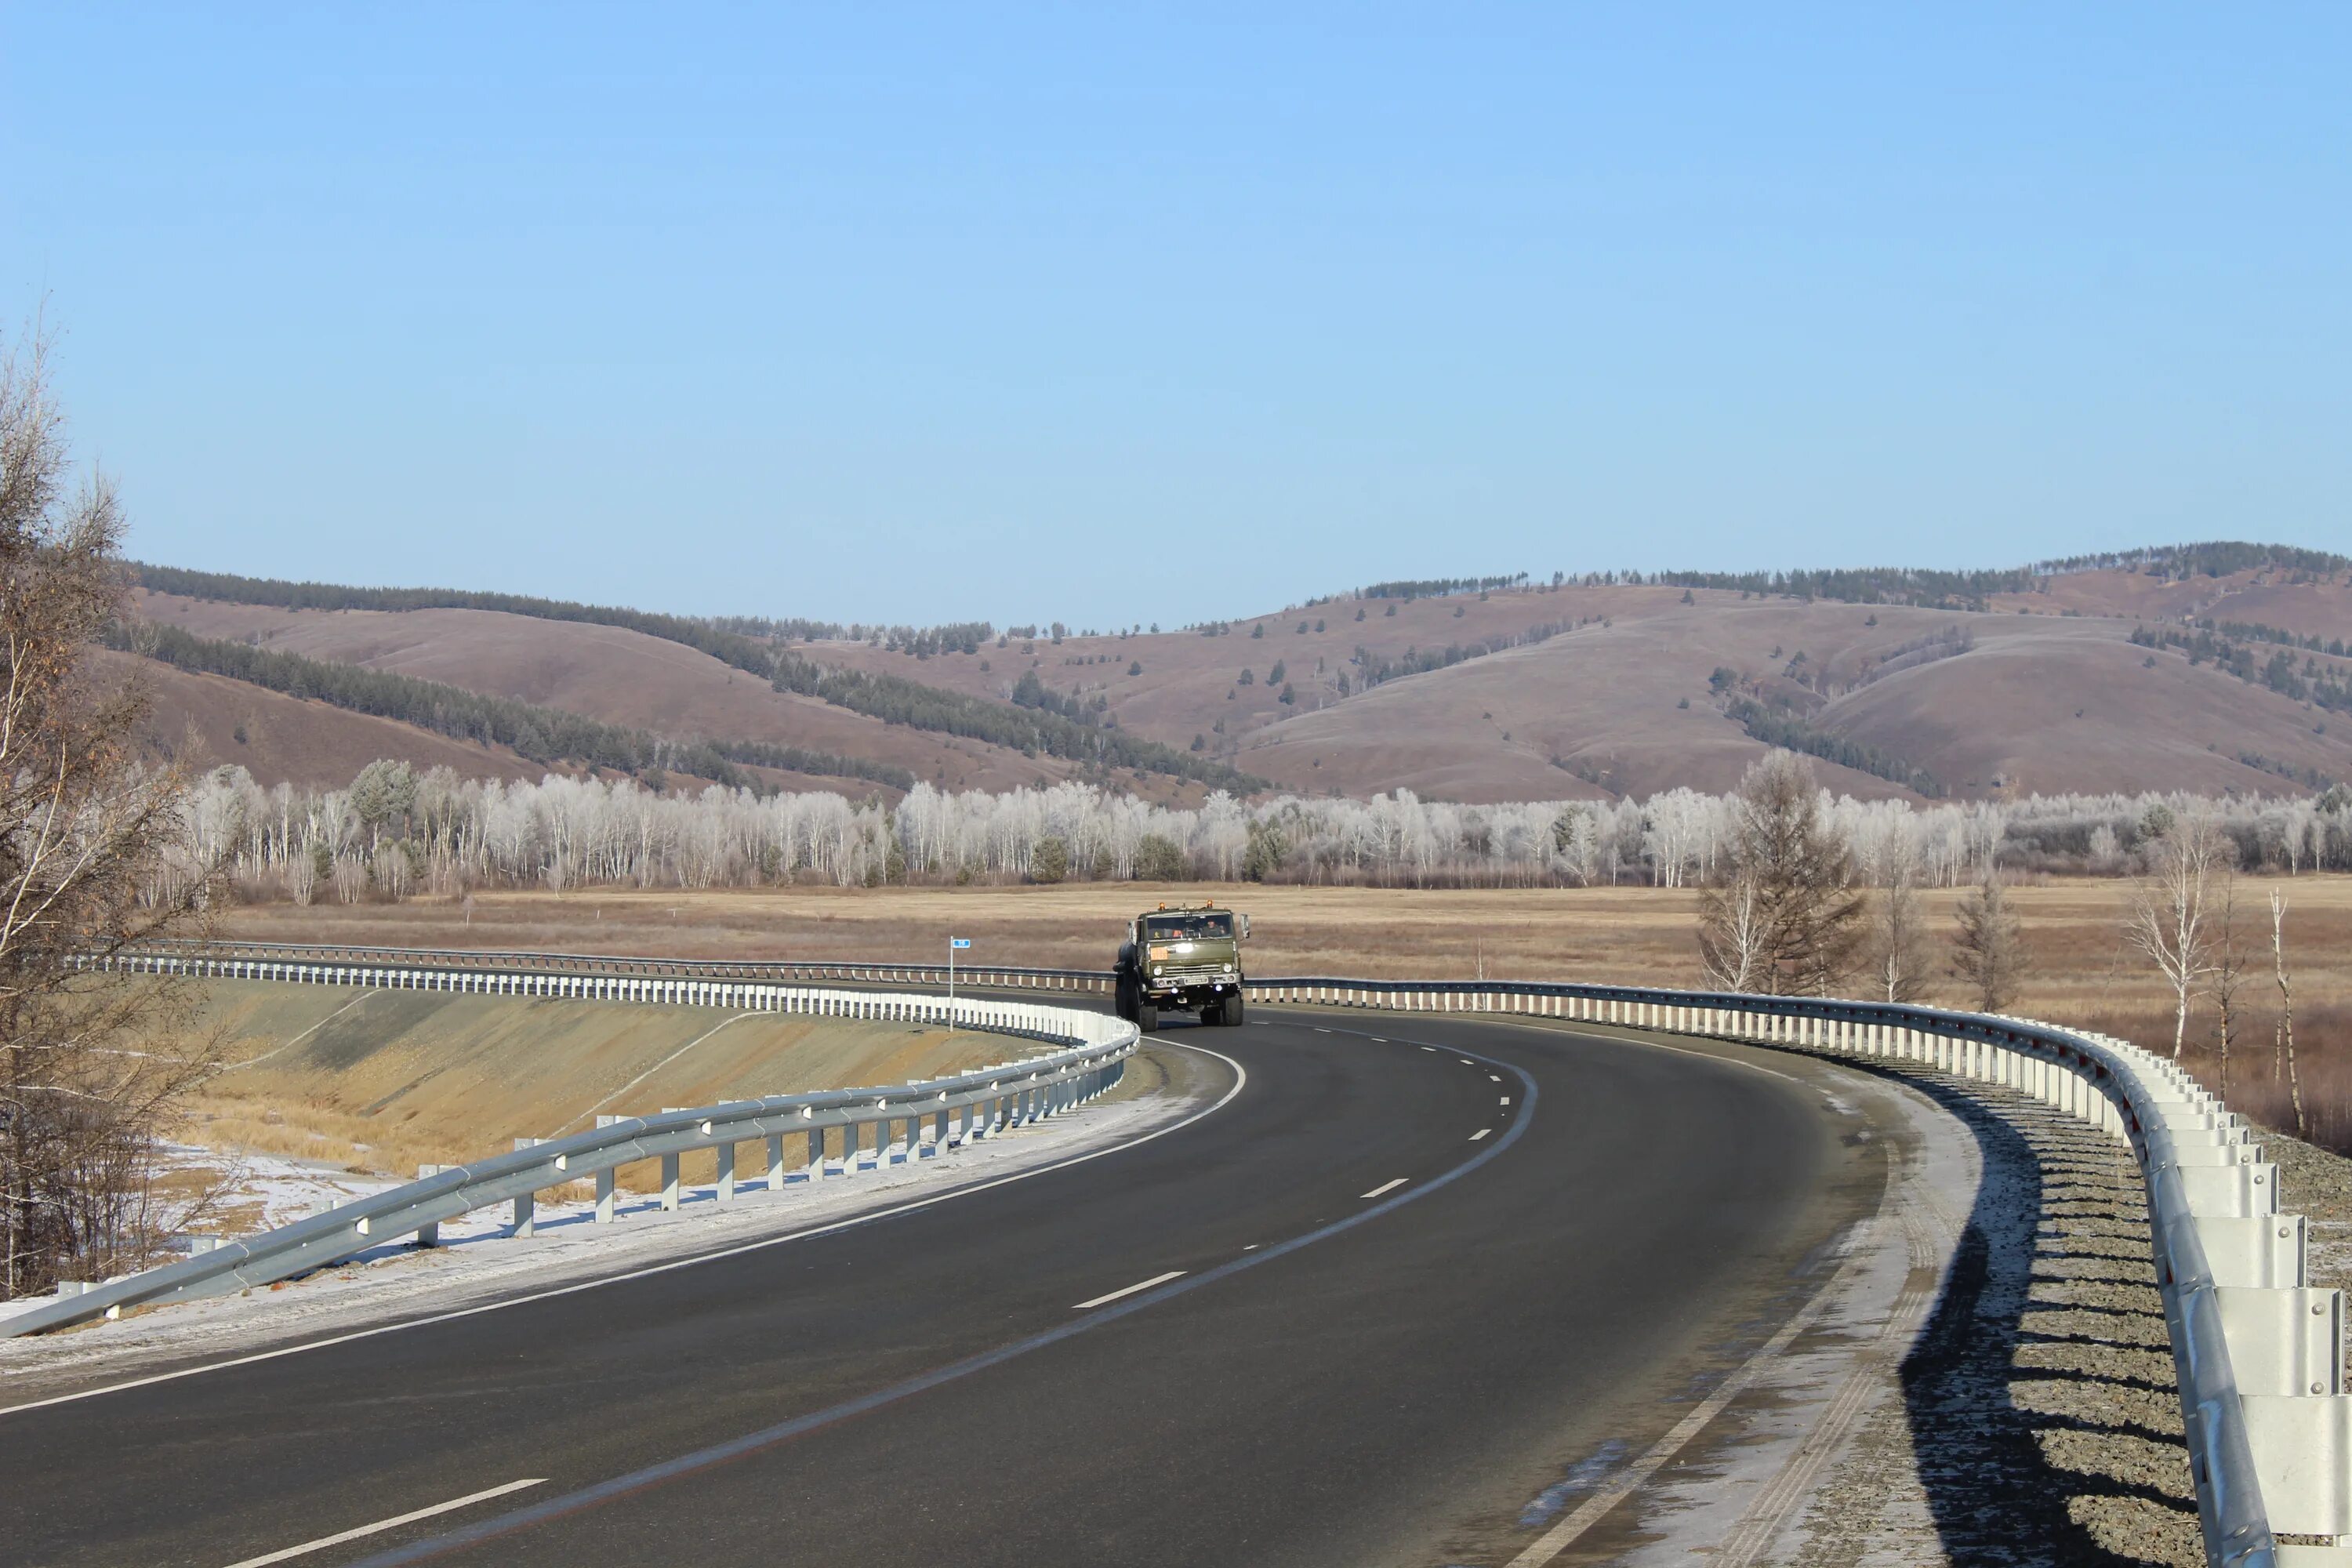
2303 680
1796 913
1033 731
742 641
449 832
1779 727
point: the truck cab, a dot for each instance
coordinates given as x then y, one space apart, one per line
1186 958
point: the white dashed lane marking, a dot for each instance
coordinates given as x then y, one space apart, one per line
1386 1187
308 1547
1480 1133
1131 1289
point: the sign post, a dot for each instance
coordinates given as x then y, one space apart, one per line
953 942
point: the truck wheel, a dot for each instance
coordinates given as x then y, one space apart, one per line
1230 1014
1146 1016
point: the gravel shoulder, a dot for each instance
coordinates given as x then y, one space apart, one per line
2034 1417
1988 1380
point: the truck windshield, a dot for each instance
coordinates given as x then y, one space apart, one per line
1187 928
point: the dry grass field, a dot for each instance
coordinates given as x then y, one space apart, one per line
2084 974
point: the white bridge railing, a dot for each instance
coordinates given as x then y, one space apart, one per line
2258 1353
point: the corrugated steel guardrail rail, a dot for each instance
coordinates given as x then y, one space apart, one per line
2258 1353
548 973
1090 1056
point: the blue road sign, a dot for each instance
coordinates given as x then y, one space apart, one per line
959 942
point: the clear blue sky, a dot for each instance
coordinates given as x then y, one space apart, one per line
1114 314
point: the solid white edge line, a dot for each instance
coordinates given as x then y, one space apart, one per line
1480 1133
1387 1188
384 1524
1131 1289
1240 1080
1644 1044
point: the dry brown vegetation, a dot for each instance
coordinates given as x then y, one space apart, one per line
385 1080
608 673
2082 972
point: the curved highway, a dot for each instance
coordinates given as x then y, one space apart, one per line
1409 1275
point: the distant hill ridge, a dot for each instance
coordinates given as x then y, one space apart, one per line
888 698
2214 666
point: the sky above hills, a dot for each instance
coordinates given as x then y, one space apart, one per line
911 313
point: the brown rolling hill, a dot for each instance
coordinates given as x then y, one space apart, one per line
614 675
207 720
1577 689
2045 697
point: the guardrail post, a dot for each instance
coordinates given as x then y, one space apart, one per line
725 1153
604 1195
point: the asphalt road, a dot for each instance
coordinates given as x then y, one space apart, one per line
1383 1338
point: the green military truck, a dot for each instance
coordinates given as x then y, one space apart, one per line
1188 958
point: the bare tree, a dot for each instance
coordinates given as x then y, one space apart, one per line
1895 946
86 834
1989 950
2170 917
2283 1042
2225 972
1731 936
1786 920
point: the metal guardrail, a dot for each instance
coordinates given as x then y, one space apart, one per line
2258 1354
1090 1054
552 967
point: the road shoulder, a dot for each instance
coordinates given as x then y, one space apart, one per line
403 1284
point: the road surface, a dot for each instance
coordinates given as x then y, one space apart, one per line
1385 1305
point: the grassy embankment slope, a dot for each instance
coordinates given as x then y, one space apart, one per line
382 1081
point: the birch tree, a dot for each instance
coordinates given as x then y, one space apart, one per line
1895 945
2282 1043
2169 917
